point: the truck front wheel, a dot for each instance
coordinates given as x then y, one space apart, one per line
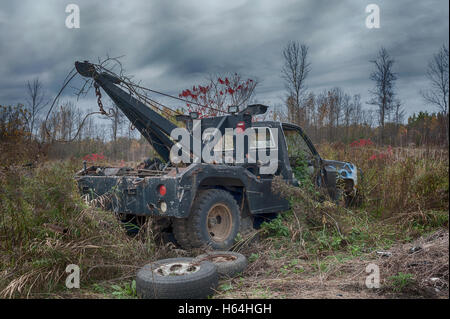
214 221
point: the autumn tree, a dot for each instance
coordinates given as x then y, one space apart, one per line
221 91
13 123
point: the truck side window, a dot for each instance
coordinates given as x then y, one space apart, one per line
296 144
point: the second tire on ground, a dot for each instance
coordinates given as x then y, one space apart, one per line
229 263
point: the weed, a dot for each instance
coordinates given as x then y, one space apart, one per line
275 227
226 287
128 290
401 281
253 257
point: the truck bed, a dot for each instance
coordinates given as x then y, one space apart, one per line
131 191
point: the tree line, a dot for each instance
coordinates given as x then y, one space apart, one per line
331 115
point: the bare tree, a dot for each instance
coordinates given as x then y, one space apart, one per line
116 119
383 94
399 113
292 110
348 109
295 70
337 100
36 102
437 74
356 115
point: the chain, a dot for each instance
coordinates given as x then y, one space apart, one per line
99 98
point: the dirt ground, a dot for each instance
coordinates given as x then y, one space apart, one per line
276 274
423 262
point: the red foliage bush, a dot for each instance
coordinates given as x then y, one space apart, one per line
361 143
94 157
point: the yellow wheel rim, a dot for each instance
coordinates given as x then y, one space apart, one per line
219 222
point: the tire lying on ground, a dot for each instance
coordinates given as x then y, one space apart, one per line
229 263
177 278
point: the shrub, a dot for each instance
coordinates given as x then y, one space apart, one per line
275 228
401 281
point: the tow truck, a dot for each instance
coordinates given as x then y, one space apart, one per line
203 203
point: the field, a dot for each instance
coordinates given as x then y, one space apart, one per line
315 250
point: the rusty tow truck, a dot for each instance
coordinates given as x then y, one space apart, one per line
203 203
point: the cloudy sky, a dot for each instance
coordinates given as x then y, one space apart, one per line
171 45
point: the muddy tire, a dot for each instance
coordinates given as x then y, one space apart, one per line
214 221
229 263
177 278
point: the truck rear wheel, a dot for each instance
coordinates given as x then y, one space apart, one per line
214 221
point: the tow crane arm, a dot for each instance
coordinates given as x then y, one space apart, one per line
155 128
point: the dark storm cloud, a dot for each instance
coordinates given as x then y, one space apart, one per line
170 45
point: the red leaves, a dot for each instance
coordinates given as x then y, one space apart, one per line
203 89
218 95
94 157
382 155
361 143
185 93
376 156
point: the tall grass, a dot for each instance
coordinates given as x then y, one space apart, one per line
405 194
399 182
45 226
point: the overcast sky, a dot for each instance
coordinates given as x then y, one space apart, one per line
172 45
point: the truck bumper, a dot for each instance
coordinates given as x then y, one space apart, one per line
133 195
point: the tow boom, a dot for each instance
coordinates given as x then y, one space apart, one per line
155 128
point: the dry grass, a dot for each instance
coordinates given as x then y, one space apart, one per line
321 250
425 259
318 250
46 226
275 275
